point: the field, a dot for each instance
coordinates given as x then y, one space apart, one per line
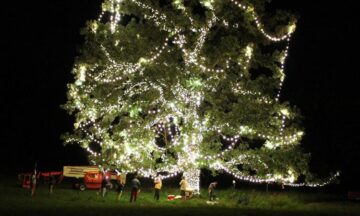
67 201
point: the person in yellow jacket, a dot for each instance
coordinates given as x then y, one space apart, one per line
184 186
157 186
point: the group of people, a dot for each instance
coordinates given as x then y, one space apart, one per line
135 188
34 180
185 191
120 184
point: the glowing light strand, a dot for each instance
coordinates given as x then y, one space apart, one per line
255 17
192 58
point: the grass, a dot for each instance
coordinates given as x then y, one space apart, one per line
66 201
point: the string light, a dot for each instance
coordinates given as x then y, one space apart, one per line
173 118
282 68
250 10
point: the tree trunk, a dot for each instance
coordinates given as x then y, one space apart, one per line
193 178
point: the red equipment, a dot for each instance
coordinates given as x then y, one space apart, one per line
171 197
93 180
24 180
58 174
91 176
353 195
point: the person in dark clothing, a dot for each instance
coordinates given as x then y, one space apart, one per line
211 191
104 184
52 183
135 189
120 183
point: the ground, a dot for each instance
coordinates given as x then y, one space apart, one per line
67 201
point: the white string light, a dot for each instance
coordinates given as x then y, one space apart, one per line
183 104
250 10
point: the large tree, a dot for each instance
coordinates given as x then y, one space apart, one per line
174 86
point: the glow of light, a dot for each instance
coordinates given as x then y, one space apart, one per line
131 151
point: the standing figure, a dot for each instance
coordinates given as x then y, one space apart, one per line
211 191
183 186
157 186
120 182
52 183
135 188
104 184
33 183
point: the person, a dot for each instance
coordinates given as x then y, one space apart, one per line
157 186
211 190
135 188
183 186
120 182
52 183
33 183
104 184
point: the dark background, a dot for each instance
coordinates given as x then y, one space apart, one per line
41 40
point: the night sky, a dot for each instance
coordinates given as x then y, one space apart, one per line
41 41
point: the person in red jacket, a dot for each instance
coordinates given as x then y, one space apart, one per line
135 189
